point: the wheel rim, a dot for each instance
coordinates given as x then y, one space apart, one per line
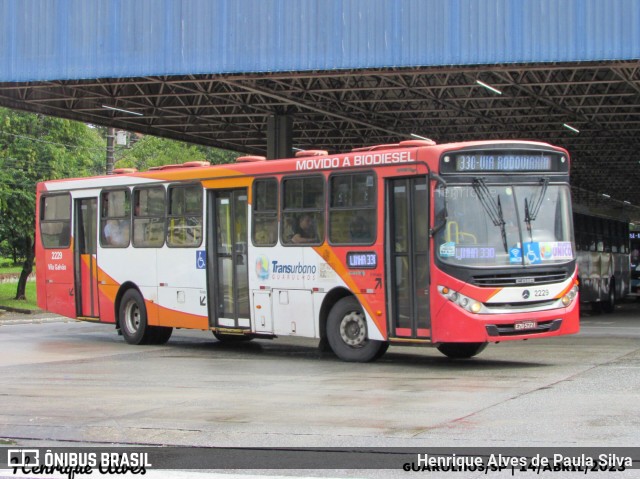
132 317
353 329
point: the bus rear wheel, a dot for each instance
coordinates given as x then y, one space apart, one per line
461 350
347 333
132 317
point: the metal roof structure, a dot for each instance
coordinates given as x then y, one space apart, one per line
349 73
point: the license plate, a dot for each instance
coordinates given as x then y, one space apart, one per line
525 325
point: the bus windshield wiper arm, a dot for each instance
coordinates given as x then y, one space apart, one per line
530 214
493 209
527 216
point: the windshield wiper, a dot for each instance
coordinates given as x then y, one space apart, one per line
493 208
530 214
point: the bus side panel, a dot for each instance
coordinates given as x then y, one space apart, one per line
182 287
134 266
58 280
107 296
587 291
606 272
622 272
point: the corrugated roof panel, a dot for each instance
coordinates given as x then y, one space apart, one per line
69 39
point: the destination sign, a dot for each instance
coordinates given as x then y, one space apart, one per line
367 260
503 162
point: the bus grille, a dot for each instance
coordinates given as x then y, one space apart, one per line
545 304
519 279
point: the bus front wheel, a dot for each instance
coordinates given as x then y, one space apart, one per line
461 350
609 305
347 333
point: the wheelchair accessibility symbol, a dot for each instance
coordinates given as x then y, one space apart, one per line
201 259
532 253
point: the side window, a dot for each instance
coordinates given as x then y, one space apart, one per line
265 212
115 218
303 210
591 228
621 237
607 236
184 227
55 221
624 238
352 209
148 217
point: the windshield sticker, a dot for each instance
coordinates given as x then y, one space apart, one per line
553 251
448 250
532 253
515 255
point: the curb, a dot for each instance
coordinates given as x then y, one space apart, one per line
19 310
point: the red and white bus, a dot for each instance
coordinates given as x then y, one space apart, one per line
452 245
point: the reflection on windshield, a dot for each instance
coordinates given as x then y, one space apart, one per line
505 225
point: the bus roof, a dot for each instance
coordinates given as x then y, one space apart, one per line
372 156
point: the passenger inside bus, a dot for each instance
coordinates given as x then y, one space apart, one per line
116 232
303 230
359 230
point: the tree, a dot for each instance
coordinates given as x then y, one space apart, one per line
151 151
34 148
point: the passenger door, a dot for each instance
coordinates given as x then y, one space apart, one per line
229 279
85 260
408 257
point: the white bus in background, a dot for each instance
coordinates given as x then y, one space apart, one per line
602 245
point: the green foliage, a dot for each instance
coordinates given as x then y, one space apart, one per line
8 292
34 148
7 266
152 151
216 156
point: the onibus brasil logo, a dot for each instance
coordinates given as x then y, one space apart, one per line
71 463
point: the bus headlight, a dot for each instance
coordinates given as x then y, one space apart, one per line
476 307
568 298
461 300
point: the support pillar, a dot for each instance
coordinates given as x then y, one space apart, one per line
111 135
279 136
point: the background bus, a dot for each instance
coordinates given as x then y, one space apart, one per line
453 245
634 248
602 244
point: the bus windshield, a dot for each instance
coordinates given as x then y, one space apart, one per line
498 225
